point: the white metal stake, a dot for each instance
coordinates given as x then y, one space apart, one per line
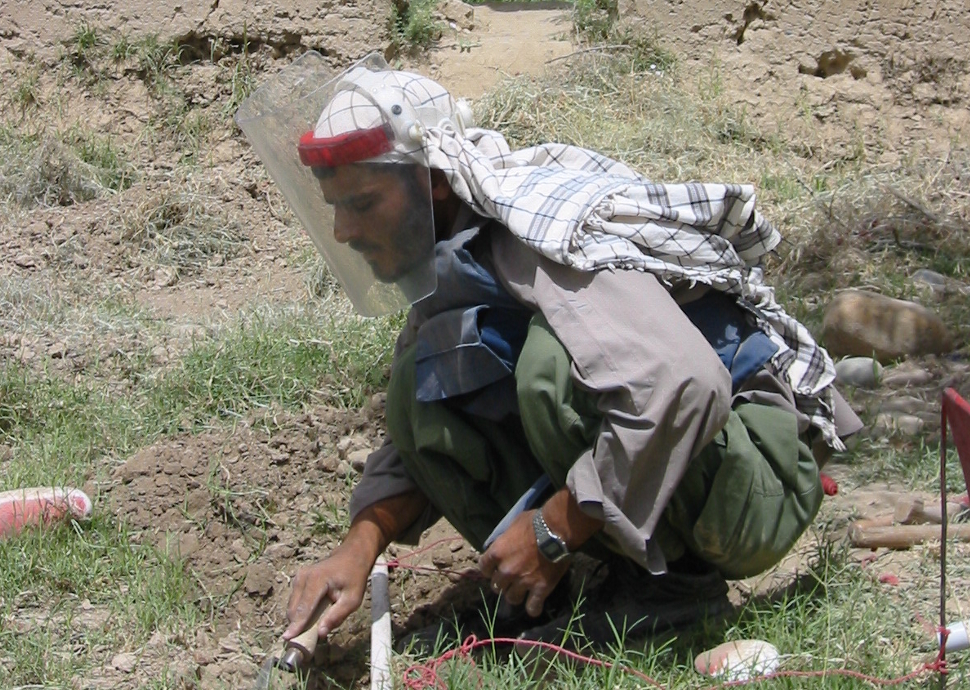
380 629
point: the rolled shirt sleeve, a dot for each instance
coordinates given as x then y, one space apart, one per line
384 475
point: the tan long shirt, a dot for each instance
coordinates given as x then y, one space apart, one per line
662 390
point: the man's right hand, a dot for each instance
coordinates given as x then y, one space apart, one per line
337 582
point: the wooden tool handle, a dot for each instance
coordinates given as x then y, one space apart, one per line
298 652
870 536
306 641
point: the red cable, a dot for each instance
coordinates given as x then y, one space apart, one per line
421 676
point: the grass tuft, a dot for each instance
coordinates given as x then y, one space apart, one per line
180 226
59 170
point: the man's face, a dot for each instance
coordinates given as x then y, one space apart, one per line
383 212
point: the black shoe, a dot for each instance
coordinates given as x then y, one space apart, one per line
632 603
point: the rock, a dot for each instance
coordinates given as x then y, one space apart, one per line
124 662
931 279
739 661
349 444
260 579
460 14
905 404
896 422
358 459
57 351
867 324
25 261
906 376
937 282
860 372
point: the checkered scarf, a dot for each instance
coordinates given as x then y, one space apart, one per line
587 211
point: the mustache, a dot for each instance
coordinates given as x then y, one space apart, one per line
363 246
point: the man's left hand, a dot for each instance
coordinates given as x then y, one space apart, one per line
516 568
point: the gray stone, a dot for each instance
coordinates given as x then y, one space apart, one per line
905 377
939 283
864 323
861 372
887 423
358 459
903 404
932 279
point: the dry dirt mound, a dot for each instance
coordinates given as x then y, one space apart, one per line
245 508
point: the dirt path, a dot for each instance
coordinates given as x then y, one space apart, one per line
500 41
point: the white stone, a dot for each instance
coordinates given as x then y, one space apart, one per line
739 660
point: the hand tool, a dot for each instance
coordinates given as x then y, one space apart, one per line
298 652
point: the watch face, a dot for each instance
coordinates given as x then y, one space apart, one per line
550 545
552 549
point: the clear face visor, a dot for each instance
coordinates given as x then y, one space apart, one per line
372 221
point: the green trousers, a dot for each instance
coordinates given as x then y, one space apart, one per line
741 505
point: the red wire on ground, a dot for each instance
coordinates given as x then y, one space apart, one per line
425 675
421 676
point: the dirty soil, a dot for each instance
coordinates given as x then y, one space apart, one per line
247 506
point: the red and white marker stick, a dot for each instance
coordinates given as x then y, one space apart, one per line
38 506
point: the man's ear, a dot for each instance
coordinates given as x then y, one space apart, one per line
440 189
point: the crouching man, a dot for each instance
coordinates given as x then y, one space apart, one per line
590 361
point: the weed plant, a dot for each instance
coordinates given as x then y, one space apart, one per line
413 24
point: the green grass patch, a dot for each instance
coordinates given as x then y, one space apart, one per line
64 429
51 579
284 360
831 625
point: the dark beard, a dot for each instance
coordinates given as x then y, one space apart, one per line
410 238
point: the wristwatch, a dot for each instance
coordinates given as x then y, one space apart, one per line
550 544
